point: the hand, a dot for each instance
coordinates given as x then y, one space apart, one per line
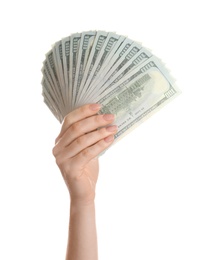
84 135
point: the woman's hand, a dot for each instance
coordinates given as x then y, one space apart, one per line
84 135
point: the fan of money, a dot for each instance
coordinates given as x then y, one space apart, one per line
109 69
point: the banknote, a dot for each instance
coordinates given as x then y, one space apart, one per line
120 69
125 47
66 70
100 38
54 75
107 68
50 100
141 93
86 43
47 75
58 60
110 45
74 48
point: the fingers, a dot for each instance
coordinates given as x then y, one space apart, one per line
84 141
84 126
93 151
77 115
84 135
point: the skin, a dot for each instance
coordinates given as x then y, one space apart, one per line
83 136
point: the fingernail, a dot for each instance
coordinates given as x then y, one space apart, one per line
112 128
108 117
109 138
95 107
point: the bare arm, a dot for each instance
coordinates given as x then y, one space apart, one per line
84 135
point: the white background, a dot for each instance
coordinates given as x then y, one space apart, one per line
150 193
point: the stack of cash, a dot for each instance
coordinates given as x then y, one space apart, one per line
106 68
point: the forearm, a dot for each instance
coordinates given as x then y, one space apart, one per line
82 240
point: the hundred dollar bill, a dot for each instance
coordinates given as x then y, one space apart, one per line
58 58
116 56
99 41
137 96
66 69
86 43
153 63
54 75
121 63
50 100
110 69
123 48
47 74
109 48
120 70
112 45
50 107
57 116
107 66
49 92
74 47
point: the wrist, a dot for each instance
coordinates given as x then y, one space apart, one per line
84 199
82 203
82 208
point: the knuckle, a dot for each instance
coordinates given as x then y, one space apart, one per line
76 127
54 152
101 144
67 120
83 109
81 140
87 153
98 118
102 131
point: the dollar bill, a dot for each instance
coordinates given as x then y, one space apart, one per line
137 96
74 47
120 70
66 69
47 75
107 66
110 46
50 100
115 56
110 69
140 57
86 43
47 102
120 65
100 39
58 58
54 75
